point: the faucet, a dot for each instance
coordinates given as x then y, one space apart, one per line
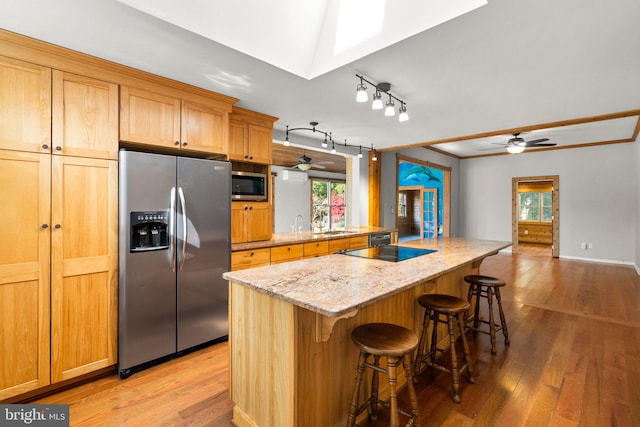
298 228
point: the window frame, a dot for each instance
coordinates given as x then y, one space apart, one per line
345 205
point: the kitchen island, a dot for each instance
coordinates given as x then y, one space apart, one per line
292 361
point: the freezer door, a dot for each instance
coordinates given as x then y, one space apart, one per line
147 285
203 250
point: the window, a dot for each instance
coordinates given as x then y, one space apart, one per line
536 206
402 205
328 205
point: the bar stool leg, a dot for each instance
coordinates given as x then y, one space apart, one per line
467 352
392 364
455 374
375 381
351 421
505 331
434 337
492 325
413 398
422 343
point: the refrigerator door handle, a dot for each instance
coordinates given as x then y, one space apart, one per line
172 229
183 206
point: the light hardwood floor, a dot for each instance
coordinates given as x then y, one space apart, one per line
574 360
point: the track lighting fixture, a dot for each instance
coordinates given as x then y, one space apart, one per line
389 111
361 92
328 138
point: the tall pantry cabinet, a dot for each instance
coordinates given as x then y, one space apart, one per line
58 257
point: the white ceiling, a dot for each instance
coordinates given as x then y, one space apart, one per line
501 67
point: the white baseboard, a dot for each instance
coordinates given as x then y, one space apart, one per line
606 261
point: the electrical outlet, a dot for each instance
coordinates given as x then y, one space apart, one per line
589 245
583 245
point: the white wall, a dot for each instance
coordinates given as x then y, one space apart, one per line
388 182
598 198
292 198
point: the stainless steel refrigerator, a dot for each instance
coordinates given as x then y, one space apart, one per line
174 225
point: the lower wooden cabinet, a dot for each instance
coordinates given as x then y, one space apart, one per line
58 270
315 249
241 260
286 253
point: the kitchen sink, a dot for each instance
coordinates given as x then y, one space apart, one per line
331 233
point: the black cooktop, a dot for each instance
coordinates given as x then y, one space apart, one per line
391 253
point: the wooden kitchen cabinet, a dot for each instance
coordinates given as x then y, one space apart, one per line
250 258
250 136
314 249
24 271
251 221
287 253
60 270
166 121
25 106
84 265
85 116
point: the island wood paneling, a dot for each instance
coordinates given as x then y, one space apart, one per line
296 379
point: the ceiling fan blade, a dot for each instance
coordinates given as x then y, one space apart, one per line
489 149
535 142
551 144
317 166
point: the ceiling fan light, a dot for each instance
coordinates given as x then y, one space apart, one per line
515 149
304 166
377 101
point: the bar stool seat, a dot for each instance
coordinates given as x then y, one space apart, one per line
486 287
454 310
397 344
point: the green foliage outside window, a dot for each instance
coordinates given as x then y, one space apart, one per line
533 204
328 205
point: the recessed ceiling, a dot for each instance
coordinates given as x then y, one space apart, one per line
577 133
306 38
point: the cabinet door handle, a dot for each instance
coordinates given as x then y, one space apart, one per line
250 208
45 147
57 226
246 208
58 148
45 226
176 143
251 254
184 144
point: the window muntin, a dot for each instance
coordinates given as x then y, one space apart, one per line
328 205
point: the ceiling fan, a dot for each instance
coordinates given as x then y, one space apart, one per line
304 163
517 144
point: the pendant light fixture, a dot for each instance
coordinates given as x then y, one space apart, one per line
380 88
361 92
329 138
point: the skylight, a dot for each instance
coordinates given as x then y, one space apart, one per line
358 20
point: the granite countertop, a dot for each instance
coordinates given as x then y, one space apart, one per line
334 285
283 239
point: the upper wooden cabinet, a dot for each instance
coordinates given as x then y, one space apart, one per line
85 117
25 106
170 122
250 136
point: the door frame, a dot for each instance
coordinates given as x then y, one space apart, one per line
555 207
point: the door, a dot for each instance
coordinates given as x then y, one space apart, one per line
149 118
84 200
85 116
429 222
203 128
24 271
147 284
203 250
25 123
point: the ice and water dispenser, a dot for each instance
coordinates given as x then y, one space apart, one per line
149 231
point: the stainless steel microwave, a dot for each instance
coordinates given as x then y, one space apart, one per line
248 186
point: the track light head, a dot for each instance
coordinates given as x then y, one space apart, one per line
361 92
404 116
390 110
377 101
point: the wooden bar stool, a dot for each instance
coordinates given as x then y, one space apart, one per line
486 287
454 310
397 345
